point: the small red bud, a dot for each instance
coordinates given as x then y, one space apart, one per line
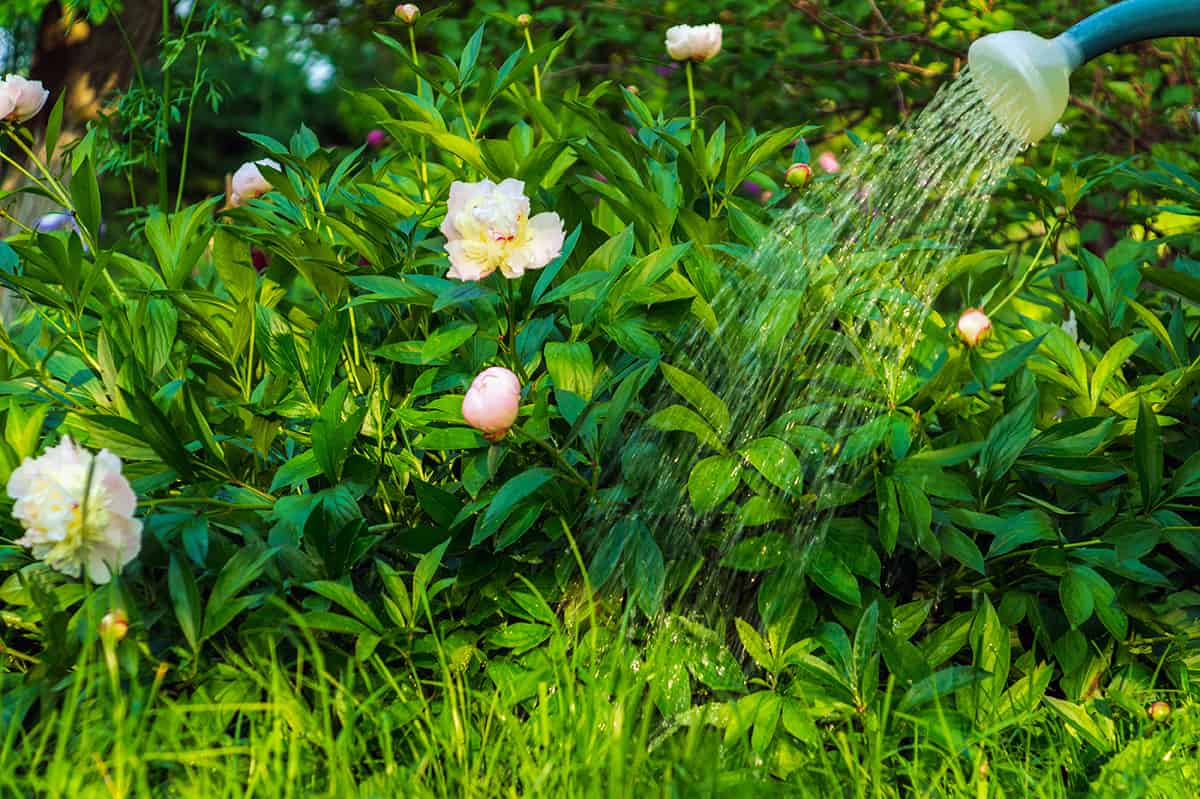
1159 711
525 20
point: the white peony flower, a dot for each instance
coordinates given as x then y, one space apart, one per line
974 326
488 227
693 42
21 99
77 511
249 183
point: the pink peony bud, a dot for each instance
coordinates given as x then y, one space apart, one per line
408 13
974 326
376 138
21 99
1159 711
493 402
693 42
798 175
525 20
829 162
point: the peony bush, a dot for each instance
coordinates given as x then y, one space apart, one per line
318 414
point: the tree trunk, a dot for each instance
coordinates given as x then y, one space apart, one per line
90 62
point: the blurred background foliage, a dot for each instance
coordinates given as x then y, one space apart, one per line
845 65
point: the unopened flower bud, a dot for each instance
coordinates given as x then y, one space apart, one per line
114 625
525 20
376 138
633 89
408 13
727 16
1159 711
798 175
974 326
493 402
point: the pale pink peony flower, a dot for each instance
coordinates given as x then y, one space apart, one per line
488 227
493 402
974 326
693 42
77 511
21 99
249 183
829 162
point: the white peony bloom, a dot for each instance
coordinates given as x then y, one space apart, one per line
77 511
249 183
21 99
694 42
488 227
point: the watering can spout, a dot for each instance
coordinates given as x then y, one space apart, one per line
1025 79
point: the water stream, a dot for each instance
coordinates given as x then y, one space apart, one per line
814 336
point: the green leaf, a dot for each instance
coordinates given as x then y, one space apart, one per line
85 195
712 480
698 395
775 461
332 436
1007 439
938 685
677 417
889 512
608 551
919 515
506 500
1109 365
521 636
961 547
185 599
296 470
1076 597
758 554
755 646
239 571
833 577
570 367
345 596
1148 454
646 573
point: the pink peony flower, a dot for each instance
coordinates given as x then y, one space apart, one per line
249 183
21 99
493 402
408 13
77 511
488 227
798 175
829 162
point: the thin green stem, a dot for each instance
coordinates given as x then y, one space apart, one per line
187 130
571 471
691 94
1020 284
165 118
537 72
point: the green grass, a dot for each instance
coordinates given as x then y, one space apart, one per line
290 716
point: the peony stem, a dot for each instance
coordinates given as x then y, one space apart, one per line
537 74
691 94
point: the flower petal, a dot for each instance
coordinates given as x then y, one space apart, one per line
461 196
462 265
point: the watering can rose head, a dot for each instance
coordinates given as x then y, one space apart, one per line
21 99
488 227
974 326
694 42
77 511
249 183
493 402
